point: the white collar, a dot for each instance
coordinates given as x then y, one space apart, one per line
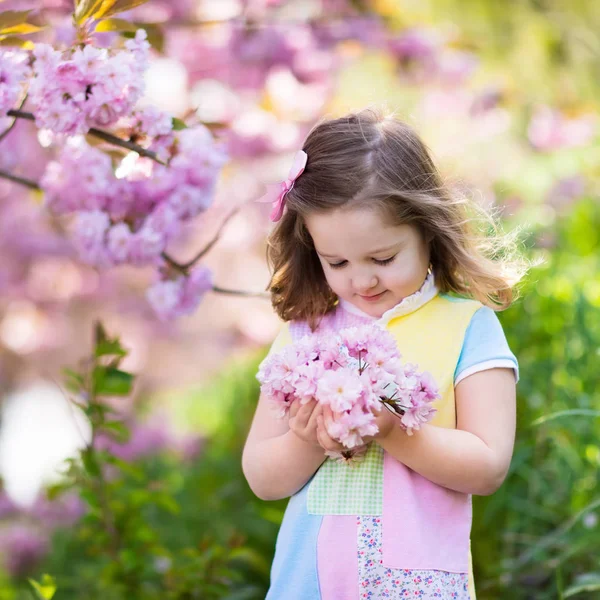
427 292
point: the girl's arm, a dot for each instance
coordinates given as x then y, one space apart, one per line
475 457
277 461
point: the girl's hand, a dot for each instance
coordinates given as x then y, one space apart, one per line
326 441
386 421
303 420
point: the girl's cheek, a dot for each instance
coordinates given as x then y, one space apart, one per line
334 281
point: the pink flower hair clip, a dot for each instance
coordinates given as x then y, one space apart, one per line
276 191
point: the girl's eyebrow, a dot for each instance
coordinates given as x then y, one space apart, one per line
372 252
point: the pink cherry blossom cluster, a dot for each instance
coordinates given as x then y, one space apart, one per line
356 372
14 73
87 87
127 213
172 298
130 215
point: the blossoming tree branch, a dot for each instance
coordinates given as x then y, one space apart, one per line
125 208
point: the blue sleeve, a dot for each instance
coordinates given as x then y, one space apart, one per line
484 342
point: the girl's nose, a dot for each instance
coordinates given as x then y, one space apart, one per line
364 283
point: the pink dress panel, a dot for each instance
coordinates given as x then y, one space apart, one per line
437 534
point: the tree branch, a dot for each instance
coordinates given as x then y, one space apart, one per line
212 242
100 134
14 121
220 290
22 180
182 268
185 267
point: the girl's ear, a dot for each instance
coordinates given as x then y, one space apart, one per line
428 235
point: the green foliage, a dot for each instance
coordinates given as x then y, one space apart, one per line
537 536
13 23
154 528
46 589
102 9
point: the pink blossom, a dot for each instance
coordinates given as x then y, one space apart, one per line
63 511
146 245
22 547
305 380
119 242
416 416
165 297
90 228
153 122
339 389
87 87
196 284
550 130
188 201
181 296
14 72
352 371
350 427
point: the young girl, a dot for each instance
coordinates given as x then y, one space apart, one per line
367 232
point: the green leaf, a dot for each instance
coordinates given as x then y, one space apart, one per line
22 29
84 9
590 582
112 382
54 491
90 463
12 18
99 333
178 124
114 8
156 35
127 468
584 412
118 430
46 589
74 381
167 503
110 347
116 25
16 41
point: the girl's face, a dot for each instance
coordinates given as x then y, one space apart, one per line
366 261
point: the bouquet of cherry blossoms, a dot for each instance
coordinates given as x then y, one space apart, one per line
357 372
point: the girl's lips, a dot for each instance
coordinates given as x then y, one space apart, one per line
373 298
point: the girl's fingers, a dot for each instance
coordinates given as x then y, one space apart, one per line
325 439
300 412
322 436
312 421
294 407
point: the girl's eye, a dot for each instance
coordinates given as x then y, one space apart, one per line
385 261
338 265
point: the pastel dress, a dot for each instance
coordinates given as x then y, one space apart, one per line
379 529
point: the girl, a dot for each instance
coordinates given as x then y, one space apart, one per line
367 232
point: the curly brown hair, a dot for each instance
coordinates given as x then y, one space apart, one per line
371 159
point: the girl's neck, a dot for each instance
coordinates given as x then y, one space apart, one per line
424 294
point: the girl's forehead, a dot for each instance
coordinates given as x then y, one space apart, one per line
356 230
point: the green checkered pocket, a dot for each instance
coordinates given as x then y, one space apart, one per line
340 489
